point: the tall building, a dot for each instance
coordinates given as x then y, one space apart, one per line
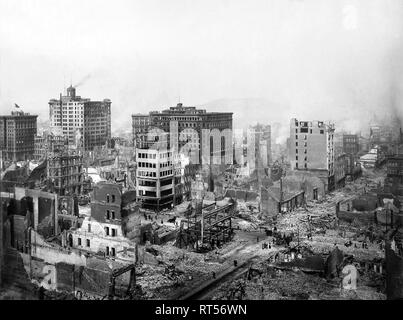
17 132
65 173
140 126
190 122
311 148
85 123
155 176
351 144
394 175
263 143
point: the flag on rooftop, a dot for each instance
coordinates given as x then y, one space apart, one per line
16 105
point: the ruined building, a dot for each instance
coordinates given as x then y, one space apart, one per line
85 123
351 144
101 232
17 132
60 173
394 178
65 172
311 148
48 143
263 145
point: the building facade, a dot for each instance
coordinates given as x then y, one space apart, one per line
311 148
263 141
190 123
102 231
66 174
17 133
85 123
340 170
394 175
140 126
156 177
351 144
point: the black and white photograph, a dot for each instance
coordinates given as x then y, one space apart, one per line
201 155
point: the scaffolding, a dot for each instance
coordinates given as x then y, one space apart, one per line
208 227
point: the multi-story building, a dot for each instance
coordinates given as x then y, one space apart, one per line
351 144
190 124
263 140
394 175
311 148
164 174
47 144
85 123
155 176
65 173
340 169
140 126
17 132
102 232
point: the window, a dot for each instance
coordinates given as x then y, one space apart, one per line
107 251
107 231
296 157
113 198
296 165
79 241
88 243
113 232
89 227
113 214
296 150
113 252
296 144
107 198
322 131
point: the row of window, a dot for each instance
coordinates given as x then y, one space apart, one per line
108 198
146 165
109 251
111 232
142 155
147 174
110 215
306 158
88 242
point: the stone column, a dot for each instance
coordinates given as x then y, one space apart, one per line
36 211
56 203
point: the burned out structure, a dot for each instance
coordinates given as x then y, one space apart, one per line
207 227
394 178
48 143
101 232
311 148
65 172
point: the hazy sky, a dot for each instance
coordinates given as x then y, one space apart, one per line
338 60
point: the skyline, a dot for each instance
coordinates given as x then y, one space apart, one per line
310 59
